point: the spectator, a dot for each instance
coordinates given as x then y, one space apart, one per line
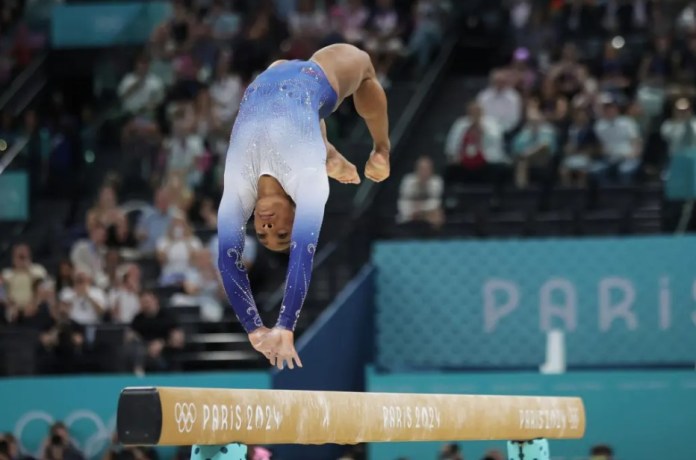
349 20
384 42
124 300
153 223
613 71
87 302
474 148
657 66
141 91
88 254
226 93
225 22
523 77
501 102
420 195
493 455
601 452
175 251
64 275
427 33
159 331
37 315
620 144
533 148
679 131
59 446
307 24
567 74
105 211
185 148
579 150
451 452
9 448
62 342
19 280
117 451
202 286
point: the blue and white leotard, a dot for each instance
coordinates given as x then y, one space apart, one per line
277 133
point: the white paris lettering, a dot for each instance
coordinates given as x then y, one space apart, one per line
221 417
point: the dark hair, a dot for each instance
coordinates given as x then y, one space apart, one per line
602 449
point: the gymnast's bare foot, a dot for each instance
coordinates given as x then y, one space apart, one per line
340 169
377 167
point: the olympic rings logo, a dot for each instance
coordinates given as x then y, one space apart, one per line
185 416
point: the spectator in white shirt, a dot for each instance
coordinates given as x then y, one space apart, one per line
420 195
141 91
226 93
87 302
475 149
620 144
679 132
501 101
124 300
175 251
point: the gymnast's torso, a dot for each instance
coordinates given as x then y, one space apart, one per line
277 129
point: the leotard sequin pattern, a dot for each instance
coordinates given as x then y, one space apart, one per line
277 132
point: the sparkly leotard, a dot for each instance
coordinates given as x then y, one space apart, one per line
277 133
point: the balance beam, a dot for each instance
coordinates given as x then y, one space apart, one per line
196 416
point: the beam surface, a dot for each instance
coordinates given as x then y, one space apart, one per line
187 416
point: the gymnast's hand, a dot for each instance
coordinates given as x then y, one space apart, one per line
282 343
377 167
257 339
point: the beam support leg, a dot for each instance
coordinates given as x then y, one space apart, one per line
528 450
227 452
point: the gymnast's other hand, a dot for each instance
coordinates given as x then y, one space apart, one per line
284 351
377 167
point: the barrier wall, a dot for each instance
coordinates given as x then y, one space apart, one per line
627 301
643 415
334 352
88 404
105 24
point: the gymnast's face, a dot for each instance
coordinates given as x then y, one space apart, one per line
273 219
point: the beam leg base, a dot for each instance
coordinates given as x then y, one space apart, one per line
528 450
226 452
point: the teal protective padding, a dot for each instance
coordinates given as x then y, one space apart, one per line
529 450
228 452
460 304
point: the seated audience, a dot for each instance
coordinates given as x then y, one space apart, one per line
475 149
124 299
679 131
579 150
87 301
620 144
89 254
420 195
159 331
20 278
154 223
62 342
533 148
175 251
501 102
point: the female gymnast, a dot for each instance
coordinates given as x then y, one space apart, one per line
278 164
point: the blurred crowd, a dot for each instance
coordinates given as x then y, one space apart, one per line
59 445
595 91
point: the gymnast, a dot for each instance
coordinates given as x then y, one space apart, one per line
278 166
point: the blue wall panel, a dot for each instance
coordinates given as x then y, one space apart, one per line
488 304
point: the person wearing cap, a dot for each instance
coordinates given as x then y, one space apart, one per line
620 143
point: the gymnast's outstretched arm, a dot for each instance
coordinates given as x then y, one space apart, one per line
235 209
310 197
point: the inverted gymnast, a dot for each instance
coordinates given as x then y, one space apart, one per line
278 164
